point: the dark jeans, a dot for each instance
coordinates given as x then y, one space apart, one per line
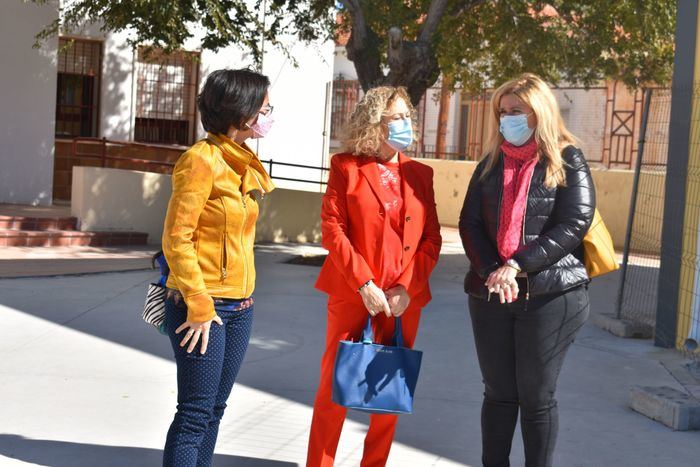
204 382
521 348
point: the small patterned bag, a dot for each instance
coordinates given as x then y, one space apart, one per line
154 308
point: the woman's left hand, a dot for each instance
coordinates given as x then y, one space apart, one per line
398 300
197 330
502 281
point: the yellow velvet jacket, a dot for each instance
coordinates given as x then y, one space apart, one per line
209 228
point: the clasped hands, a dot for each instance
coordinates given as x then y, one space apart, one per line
502 282
393 302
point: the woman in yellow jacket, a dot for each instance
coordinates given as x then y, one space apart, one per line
208 243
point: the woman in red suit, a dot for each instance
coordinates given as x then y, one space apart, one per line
382 234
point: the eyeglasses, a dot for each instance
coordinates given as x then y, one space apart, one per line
267 110
395 117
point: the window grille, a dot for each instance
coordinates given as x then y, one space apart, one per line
166 97
78 87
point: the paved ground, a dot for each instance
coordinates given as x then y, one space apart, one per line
51 261
83 382
22 210
62 260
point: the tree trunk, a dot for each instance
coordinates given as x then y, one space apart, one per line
365 56
443 117
412 64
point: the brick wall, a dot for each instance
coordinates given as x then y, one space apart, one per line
65 160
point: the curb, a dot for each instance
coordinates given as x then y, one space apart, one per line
675 409
622 327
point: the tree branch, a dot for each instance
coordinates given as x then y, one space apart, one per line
461 7
363 47
435 13
359 24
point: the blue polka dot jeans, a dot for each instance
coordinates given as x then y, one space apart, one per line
204 382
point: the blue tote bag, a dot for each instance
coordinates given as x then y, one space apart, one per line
376 378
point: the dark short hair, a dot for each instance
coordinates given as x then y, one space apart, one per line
231 98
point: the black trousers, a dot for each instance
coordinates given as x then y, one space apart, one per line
521 348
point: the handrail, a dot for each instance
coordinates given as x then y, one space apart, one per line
104 157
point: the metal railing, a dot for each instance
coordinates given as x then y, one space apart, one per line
104 157
271 163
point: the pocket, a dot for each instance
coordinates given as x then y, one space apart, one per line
175 314
209 254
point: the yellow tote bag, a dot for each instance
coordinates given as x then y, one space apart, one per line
599 251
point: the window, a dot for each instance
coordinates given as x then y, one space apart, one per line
346 95
78 87
166 97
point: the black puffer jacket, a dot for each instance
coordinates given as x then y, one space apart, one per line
556 220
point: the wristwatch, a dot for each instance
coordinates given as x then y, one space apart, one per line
514 264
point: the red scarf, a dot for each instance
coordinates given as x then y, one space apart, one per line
518 166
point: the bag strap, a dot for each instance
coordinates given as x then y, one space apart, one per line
368 334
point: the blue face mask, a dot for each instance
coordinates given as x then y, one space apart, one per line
515 130
400 134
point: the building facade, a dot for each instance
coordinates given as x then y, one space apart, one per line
79 88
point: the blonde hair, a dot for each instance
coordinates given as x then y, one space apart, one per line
551 133
363 134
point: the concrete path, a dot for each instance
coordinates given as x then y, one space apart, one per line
83 382
64 260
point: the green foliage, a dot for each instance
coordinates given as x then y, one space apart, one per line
574 41
563 40
167 24
579 42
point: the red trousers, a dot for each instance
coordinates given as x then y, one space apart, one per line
346 320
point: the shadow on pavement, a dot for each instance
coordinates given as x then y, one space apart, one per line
66 454
288 339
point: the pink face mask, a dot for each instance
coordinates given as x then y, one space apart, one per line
262 126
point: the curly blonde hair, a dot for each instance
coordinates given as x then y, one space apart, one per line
363 134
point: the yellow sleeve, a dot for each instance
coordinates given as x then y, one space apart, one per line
192 180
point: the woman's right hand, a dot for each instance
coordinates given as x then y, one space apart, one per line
374 299
197 330
502 282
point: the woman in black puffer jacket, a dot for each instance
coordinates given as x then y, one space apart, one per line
530 203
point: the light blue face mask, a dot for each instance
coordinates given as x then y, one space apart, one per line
400 134
515 130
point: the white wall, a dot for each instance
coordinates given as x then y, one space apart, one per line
133 201
27 104
342 67
584 116
120 200
299 97
117 106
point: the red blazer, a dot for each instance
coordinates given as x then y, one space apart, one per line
353 223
